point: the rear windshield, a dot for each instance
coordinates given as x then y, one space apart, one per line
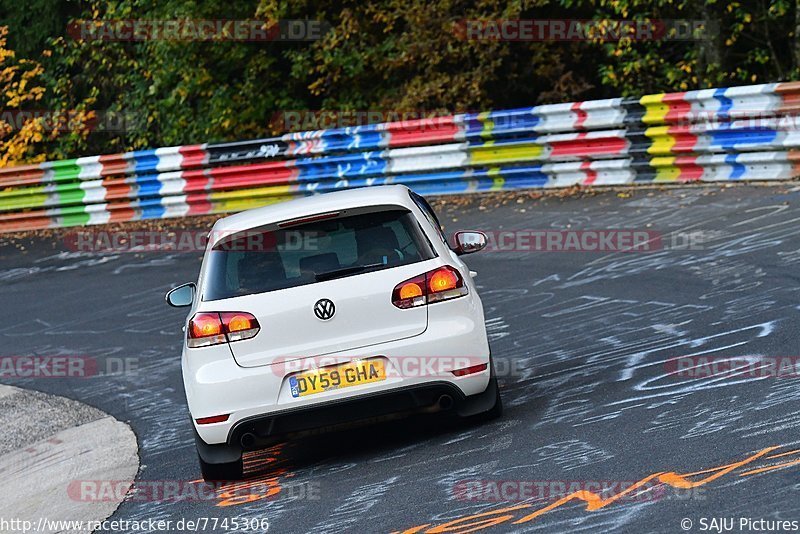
261 260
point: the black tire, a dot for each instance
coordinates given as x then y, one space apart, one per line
495 411
220 472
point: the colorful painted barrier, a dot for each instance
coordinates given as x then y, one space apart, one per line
735 133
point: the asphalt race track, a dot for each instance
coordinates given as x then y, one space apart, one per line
586 344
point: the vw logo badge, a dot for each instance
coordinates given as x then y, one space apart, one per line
324 309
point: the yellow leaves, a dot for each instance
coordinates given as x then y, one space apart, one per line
16 148
23 129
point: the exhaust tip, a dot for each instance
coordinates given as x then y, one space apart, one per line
247 440
445 402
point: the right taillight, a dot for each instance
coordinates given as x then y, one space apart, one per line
213 328
434 286
239 325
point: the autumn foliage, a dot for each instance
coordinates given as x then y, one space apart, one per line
383 56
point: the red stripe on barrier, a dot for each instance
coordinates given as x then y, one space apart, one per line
197 180
790 97
21 175
261 174
114 164
685 140
29 223
690 170
409 137
591 174
193 156
122 211
583 146
581 114
198 204
679 108
118 188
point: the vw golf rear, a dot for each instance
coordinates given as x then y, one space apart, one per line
325 311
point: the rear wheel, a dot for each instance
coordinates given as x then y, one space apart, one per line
224 471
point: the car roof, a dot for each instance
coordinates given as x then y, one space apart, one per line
300 207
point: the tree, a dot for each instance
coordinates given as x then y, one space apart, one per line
25 128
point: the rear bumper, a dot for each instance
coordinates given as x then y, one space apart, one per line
216 385
264 429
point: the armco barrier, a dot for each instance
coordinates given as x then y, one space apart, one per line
736 133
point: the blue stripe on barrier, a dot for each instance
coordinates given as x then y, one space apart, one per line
367 141
366 163
440 188
531 176
148 185
725 103
737 169
411 179
500 123
145 160
151 209
728 137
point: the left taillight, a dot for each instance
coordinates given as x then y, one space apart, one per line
213 328
437 285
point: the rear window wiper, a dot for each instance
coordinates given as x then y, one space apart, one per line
344 271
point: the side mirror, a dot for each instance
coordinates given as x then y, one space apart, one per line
181 296
469 242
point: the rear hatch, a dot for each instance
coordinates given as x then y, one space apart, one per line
280 273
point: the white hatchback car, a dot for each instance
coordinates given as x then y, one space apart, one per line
325 311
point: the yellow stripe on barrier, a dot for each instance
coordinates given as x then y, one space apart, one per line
497 180
250 198
487 125
33 197
655 109
247 203
490 153
666 171
662 140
